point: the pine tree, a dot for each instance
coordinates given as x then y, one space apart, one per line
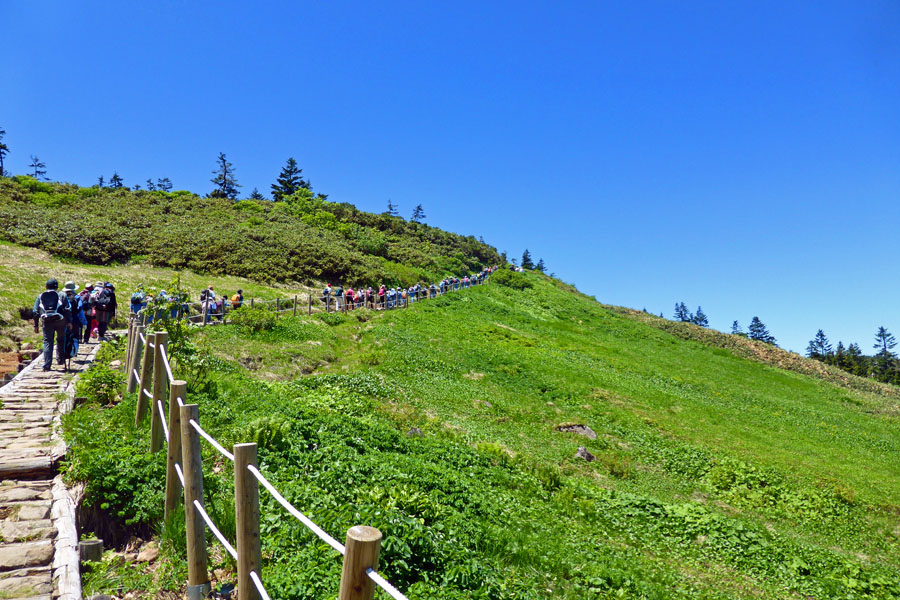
150 185
856 361
4 150
757 331
115 181
884 364
540 266
700 318
418 215
527 263
289 181
840 356
164 184
736 328
392 209
819 347
137 187
224 180
39 169
681 313
100 181
255 195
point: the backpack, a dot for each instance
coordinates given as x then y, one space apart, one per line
52 306
236 299
137 298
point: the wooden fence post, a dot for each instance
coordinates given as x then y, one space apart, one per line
140 410
160 391
177 390
246 512
251 302
137 352
363 546
192 465
277 306
295 305
129 338
309 296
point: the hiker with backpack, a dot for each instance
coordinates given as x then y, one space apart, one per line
53 311
137 300
88 309
237 300
79 319
103 299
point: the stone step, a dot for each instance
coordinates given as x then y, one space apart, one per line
25 511
26 531
33 466
26 583
25 554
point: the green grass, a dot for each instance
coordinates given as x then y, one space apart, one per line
716 476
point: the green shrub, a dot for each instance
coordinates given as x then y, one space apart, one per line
512 279
254 318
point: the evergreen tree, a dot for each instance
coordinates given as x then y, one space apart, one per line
527 263
164 184
115 181
681 313
540 266
150 185
757 331
819 347
137 187
700 318
856 360
100 181
884 366
39 169
4 150
736 328
289 181
392 209
255 195
418 215
224 180
840 356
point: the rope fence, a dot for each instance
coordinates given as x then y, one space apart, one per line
181 437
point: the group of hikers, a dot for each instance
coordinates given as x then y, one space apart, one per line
71 317
390 297
176 305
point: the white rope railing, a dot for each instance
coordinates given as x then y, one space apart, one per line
180 401
146 393
180 474
259 586
143 339
215 530
211 440
165 362
296 513
136 376
162 421
385 584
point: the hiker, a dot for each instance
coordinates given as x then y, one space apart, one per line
237 300
207 303
79 320
381 292
326 296
339 297
88 309
104 302
137 300
351 298
370 297
53 311
433 291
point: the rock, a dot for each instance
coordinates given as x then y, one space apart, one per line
101 597
27 346
29 554
577 428
149 553
414 432
583 453
115 364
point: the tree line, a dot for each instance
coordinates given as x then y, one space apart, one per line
756 331
882 366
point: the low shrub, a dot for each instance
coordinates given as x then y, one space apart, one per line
254 318
512 279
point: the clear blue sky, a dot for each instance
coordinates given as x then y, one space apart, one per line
740 156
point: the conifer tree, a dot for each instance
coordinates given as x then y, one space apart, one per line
100 181
884 364
392 209
736 328
255 195
700 318
150 185
224 180
289 181
115 181
681 312
527 263
819 347
164 184
418 215
540 266
840 356
757 331
4 150
39 169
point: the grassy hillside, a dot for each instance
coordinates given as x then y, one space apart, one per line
301 239
716 476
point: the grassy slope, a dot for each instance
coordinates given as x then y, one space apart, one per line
805 465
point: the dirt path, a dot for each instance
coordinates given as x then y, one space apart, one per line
38 540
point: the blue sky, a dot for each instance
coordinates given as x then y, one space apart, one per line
742 156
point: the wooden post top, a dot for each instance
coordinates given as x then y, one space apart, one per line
363 533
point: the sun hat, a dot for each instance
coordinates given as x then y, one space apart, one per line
99 284
70 286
